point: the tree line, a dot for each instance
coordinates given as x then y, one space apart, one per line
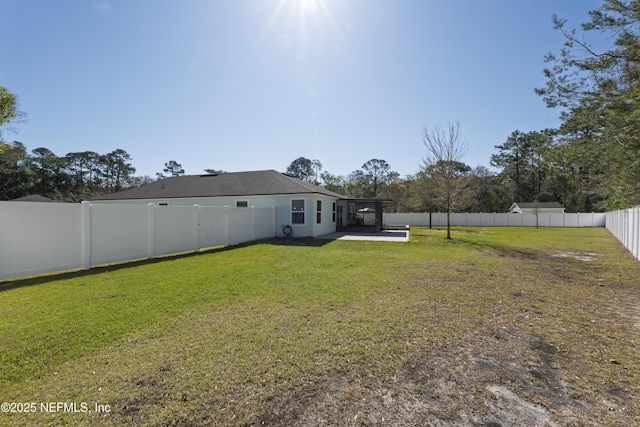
420 192
74 177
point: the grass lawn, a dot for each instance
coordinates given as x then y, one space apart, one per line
500 326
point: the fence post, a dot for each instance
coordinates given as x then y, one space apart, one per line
637 248
625 227
634 231
86 235
151 230
196 228
253 222
226 225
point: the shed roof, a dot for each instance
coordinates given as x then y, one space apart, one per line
539 205
255 183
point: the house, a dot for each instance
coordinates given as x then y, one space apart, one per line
536 207
301 209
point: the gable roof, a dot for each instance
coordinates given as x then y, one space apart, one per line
539 205
256 183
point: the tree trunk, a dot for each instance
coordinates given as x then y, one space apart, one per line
449 209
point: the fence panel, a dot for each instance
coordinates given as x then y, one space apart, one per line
412 218
39 237
120 233
557 220
544 219
240 225
264 221
487 220
625 226
176 229
212 226
484 219
501 219
598 219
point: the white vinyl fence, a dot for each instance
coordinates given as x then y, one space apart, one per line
439 219
45 237
625 226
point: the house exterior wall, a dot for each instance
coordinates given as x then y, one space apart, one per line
327 222
282 204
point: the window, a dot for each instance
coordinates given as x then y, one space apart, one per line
297 211
333 212
318 211
242 204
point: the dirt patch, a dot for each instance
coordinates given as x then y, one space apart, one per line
506 379
580 256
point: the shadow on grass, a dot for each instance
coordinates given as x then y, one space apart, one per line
19 282
464 237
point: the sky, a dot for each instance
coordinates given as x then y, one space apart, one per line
244 85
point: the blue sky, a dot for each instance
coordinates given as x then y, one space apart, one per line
253 84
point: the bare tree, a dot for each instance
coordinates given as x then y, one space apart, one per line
445 150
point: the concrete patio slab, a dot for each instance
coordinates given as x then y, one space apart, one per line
382 236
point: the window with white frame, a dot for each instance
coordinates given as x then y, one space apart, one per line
297 211
318 211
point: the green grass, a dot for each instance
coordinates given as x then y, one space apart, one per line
216 337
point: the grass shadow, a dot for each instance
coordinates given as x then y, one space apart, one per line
7 284
297 241
468 237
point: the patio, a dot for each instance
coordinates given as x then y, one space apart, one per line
381 236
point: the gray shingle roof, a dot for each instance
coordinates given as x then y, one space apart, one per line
539 205
257 183
32 198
